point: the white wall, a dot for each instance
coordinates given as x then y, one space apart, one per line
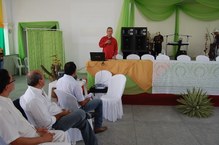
84 21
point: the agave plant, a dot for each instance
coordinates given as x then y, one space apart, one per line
195 103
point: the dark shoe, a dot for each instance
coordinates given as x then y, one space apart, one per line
101 129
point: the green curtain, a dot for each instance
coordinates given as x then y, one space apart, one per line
126 19
2 40
42 45
23 25
159 10
130 88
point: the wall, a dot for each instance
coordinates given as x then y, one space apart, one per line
83 23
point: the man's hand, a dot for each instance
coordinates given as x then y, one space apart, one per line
47 137
41 131
65 112
108 42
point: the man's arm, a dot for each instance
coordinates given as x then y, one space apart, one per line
103 42
61 114
46 137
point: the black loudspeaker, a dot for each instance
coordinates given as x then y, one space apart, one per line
134 41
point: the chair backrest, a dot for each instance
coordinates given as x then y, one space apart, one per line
119 56
29 117
217 58
18 106
26 62
202 58
66 100
116 86
183 58
17 61
147 57
103 77
162 57
133 56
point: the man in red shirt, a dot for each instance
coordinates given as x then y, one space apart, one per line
109 44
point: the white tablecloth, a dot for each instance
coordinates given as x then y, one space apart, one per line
175 77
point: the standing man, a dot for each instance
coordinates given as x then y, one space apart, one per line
109 44
1 58
158 39
14 128
68 84
50 115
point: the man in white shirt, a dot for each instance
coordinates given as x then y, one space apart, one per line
14 128
68 84
45 113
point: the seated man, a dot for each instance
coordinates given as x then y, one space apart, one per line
44 113
14 128
68 84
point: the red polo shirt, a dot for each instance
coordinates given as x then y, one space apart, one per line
109 49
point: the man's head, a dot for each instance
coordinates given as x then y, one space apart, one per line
36 79
6 82
70 68
109 31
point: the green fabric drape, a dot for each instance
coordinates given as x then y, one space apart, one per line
159 10
42 45
23 25
126 19
130 88
2 40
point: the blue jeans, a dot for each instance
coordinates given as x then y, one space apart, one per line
97 106
77 119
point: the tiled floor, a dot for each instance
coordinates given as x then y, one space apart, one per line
152 125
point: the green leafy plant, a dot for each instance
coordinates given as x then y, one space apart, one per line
195 103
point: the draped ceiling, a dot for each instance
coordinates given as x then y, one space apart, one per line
159 10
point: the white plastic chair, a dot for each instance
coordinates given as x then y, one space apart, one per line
183 58
202 58
119 56
18 64
112 103
103 77
217 58
147 57
69 102
26 64
162 57
133 57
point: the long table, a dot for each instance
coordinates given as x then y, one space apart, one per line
172 77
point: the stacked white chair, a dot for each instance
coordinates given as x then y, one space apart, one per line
119 56
147 57
69 102
162 57
112 102
183 58
133 57
18 64
217 58
202 58
26 64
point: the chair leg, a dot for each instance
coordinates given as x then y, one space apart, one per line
20 71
